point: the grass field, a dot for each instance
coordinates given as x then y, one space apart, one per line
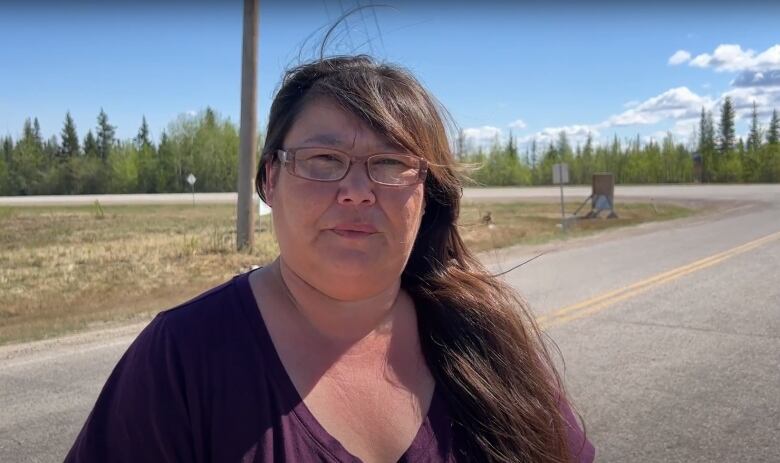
64 269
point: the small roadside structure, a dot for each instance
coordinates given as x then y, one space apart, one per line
602 197
698 168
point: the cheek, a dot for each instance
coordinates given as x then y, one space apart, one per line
298 205
408 212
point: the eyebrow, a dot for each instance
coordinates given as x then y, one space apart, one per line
330 139
326 139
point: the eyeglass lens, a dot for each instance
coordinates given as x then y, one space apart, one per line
327 165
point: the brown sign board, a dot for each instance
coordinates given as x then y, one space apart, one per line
603 185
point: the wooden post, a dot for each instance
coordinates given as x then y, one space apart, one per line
245 213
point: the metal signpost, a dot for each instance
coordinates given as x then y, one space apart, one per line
561 176
191 180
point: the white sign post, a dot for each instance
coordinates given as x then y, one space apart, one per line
191 180
561 176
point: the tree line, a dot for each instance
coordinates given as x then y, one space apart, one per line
206 145
715 155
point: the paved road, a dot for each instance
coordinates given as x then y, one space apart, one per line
669 333
712 192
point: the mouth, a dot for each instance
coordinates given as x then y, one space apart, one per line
354 230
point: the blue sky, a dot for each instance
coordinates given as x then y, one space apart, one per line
537 68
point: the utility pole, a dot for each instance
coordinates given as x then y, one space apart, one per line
245 213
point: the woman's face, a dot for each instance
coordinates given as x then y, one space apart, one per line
351 238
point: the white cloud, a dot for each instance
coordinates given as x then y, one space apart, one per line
743 97
191 112
732 58
677 110
518 124
482 135
577 133
770 78
679 57
675 103
683 129
701 61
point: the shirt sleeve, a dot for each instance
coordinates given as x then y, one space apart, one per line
141 413
580 448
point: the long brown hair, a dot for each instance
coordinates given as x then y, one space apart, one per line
478 336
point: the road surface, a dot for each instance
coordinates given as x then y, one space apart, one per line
670 335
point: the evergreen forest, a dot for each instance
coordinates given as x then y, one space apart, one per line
206 145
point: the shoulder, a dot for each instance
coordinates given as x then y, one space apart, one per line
166 387
208 317
192 340
580 447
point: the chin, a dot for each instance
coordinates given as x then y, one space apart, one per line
353 275
354 264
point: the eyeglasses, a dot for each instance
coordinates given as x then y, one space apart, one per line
331 165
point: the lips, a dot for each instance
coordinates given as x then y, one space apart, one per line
356 227
354 230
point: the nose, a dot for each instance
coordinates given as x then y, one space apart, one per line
356 188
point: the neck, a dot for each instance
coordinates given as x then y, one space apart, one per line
339 321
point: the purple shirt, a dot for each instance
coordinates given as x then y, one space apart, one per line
203 382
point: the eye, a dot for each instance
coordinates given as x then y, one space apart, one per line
320 156
325 157
389 162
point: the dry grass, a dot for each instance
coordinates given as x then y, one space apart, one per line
538 222
62 269
66 269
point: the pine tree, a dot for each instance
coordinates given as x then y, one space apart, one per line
564 147
511 148
70 139
142 139
773 133
705 129
166 167
586 160
740 148
90 145
105 135
8 147
460 144
51 148
28 132
146 160
28 162
210 118
726 134
37 132
754 138
534 161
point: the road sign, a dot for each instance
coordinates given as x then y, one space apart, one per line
560 174
191 180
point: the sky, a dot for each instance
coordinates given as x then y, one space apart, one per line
532 68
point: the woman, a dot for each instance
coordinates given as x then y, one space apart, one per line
375 336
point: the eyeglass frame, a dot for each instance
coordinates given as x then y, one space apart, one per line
287 157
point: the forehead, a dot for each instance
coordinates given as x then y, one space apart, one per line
322 122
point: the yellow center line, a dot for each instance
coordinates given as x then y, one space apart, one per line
598 303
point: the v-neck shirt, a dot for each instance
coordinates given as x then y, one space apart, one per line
203 382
